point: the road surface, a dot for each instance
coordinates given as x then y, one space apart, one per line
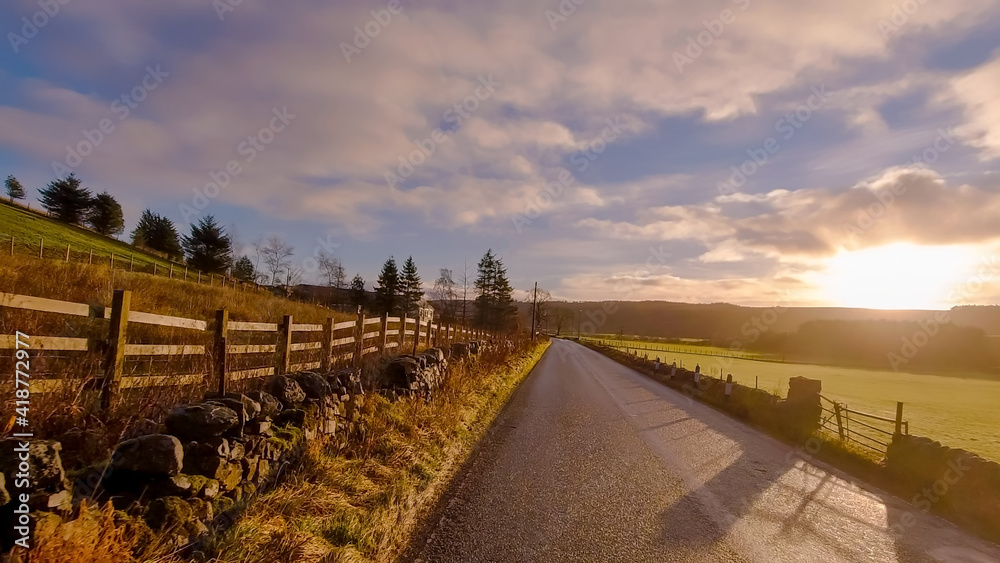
593 462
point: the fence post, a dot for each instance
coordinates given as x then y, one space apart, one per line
221 350
67 253
115 360
327 344
416 334
41 247
185 273
112 260
729 384
170 274
199 277
840 420
359 340
429 322
899 418
383 336
11 245
402 332
154 268
284 346
447 334
131 262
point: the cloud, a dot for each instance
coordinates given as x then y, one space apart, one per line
978 92
900 204
558 88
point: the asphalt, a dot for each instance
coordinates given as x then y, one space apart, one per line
592 461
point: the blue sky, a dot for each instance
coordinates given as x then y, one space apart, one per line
507 98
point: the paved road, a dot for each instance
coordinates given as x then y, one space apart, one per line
594 462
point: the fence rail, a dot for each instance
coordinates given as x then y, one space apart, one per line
859 427
339 342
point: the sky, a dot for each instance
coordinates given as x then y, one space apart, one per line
756 152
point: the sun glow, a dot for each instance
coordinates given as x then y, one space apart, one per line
897 276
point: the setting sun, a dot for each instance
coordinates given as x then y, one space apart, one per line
897 276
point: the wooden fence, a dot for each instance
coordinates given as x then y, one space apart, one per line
121 261
338 343
867 430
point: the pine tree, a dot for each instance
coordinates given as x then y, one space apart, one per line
243 270
359 297
105 215
411 287
208 247
157 233
14 189
66 200
495 308
388 289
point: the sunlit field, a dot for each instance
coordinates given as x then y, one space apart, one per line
961 413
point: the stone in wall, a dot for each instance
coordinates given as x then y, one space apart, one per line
201 420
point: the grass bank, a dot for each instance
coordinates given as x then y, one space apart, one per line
363 504
33 231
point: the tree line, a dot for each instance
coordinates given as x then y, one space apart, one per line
399 291
210 249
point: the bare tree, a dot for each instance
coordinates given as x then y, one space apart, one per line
541 304
466 282
333 269
561 317
257 245
293 277
276 253
444 292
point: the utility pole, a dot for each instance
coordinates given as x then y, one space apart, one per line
534 306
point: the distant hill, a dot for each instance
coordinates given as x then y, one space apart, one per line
722 320
828 335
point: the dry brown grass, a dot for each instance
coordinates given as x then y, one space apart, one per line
73 413
363 504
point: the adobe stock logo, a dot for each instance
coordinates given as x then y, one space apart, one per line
249 149
454 117
787 126
31 26
122 107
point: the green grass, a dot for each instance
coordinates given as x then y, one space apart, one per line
30 229
958 412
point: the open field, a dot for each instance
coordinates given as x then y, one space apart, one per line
29 227
960 413
686 345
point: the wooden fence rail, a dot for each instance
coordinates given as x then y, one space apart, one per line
344 341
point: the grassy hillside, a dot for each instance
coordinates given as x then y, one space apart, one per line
29 228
